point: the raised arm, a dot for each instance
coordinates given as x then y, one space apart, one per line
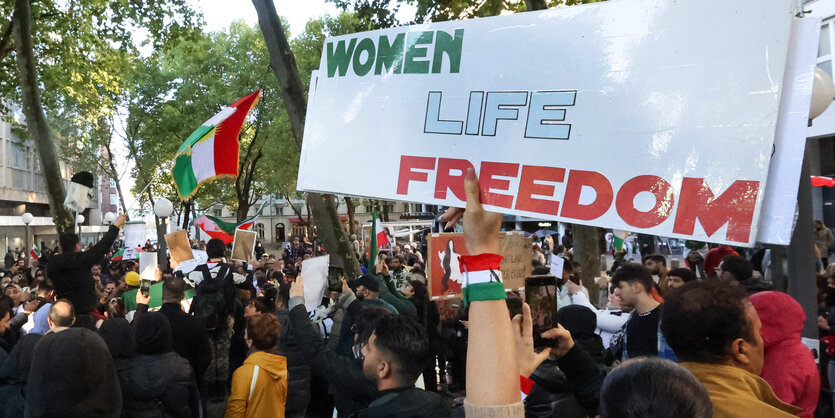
492 368
94 255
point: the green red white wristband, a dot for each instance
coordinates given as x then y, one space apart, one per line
482 277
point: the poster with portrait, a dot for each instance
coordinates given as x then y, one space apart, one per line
444 271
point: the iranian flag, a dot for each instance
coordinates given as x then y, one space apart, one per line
212 149
35 252
218 228
379 239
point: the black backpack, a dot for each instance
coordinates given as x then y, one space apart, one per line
215 297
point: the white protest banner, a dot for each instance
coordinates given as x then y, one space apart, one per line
644 115
315 273
135 233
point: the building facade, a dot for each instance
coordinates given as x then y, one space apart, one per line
23 189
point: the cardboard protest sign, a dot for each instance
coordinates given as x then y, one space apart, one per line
315 273
444 271
179 246
243 246
603 114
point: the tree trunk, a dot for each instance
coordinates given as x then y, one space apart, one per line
536 5
283 63
587 253
187 205
36 119
115 175
349 204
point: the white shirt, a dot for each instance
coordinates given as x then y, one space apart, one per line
609 321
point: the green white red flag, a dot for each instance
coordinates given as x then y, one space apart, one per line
212 149
35 252
218 228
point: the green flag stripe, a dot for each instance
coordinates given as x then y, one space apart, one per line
195 136
184 175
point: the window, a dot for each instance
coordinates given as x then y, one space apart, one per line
825 47
114 200
19 159
259 228
217 212
112 183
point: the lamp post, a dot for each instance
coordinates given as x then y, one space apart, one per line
79 219
163 208
27 218
109 217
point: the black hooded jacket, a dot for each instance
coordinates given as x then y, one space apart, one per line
158 382
14 373
73 376
71 275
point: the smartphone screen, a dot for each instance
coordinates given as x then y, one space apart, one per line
541 296
145 287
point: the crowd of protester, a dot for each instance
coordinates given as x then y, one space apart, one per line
711 338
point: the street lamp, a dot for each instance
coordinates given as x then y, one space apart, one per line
27 218
163 208
79 219
109 217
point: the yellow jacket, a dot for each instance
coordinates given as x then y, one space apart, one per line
737 393
263 396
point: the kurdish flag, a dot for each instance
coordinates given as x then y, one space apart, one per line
217 228
212 149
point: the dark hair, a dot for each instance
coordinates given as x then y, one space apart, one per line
738 266
215 248
277 276
116 308
258 303
46 286
367 321
652 387
6 304
418 271
263 331
655 257
540 270
173 290
686 275
68 242
284 294
62 320
703 318
270 295
404 342
633 273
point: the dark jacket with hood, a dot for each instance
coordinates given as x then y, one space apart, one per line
71 275
14 373
159 383
353 391
73 376
788 365
411 402
298 367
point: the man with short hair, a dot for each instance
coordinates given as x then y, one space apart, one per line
190 339
736 269
715 332
71 274
61 316
368 291
393 357
657 265
678 277
642 335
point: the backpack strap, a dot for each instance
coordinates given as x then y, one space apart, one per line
253 382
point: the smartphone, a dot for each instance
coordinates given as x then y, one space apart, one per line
541 295
575 279
145 287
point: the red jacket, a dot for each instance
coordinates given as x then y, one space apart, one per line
788 365
715 256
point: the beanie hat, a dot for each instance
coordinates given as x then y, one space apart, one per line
153 334
578 320
132 278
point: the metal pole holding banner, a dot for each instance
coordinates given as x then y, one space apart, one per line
802 285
